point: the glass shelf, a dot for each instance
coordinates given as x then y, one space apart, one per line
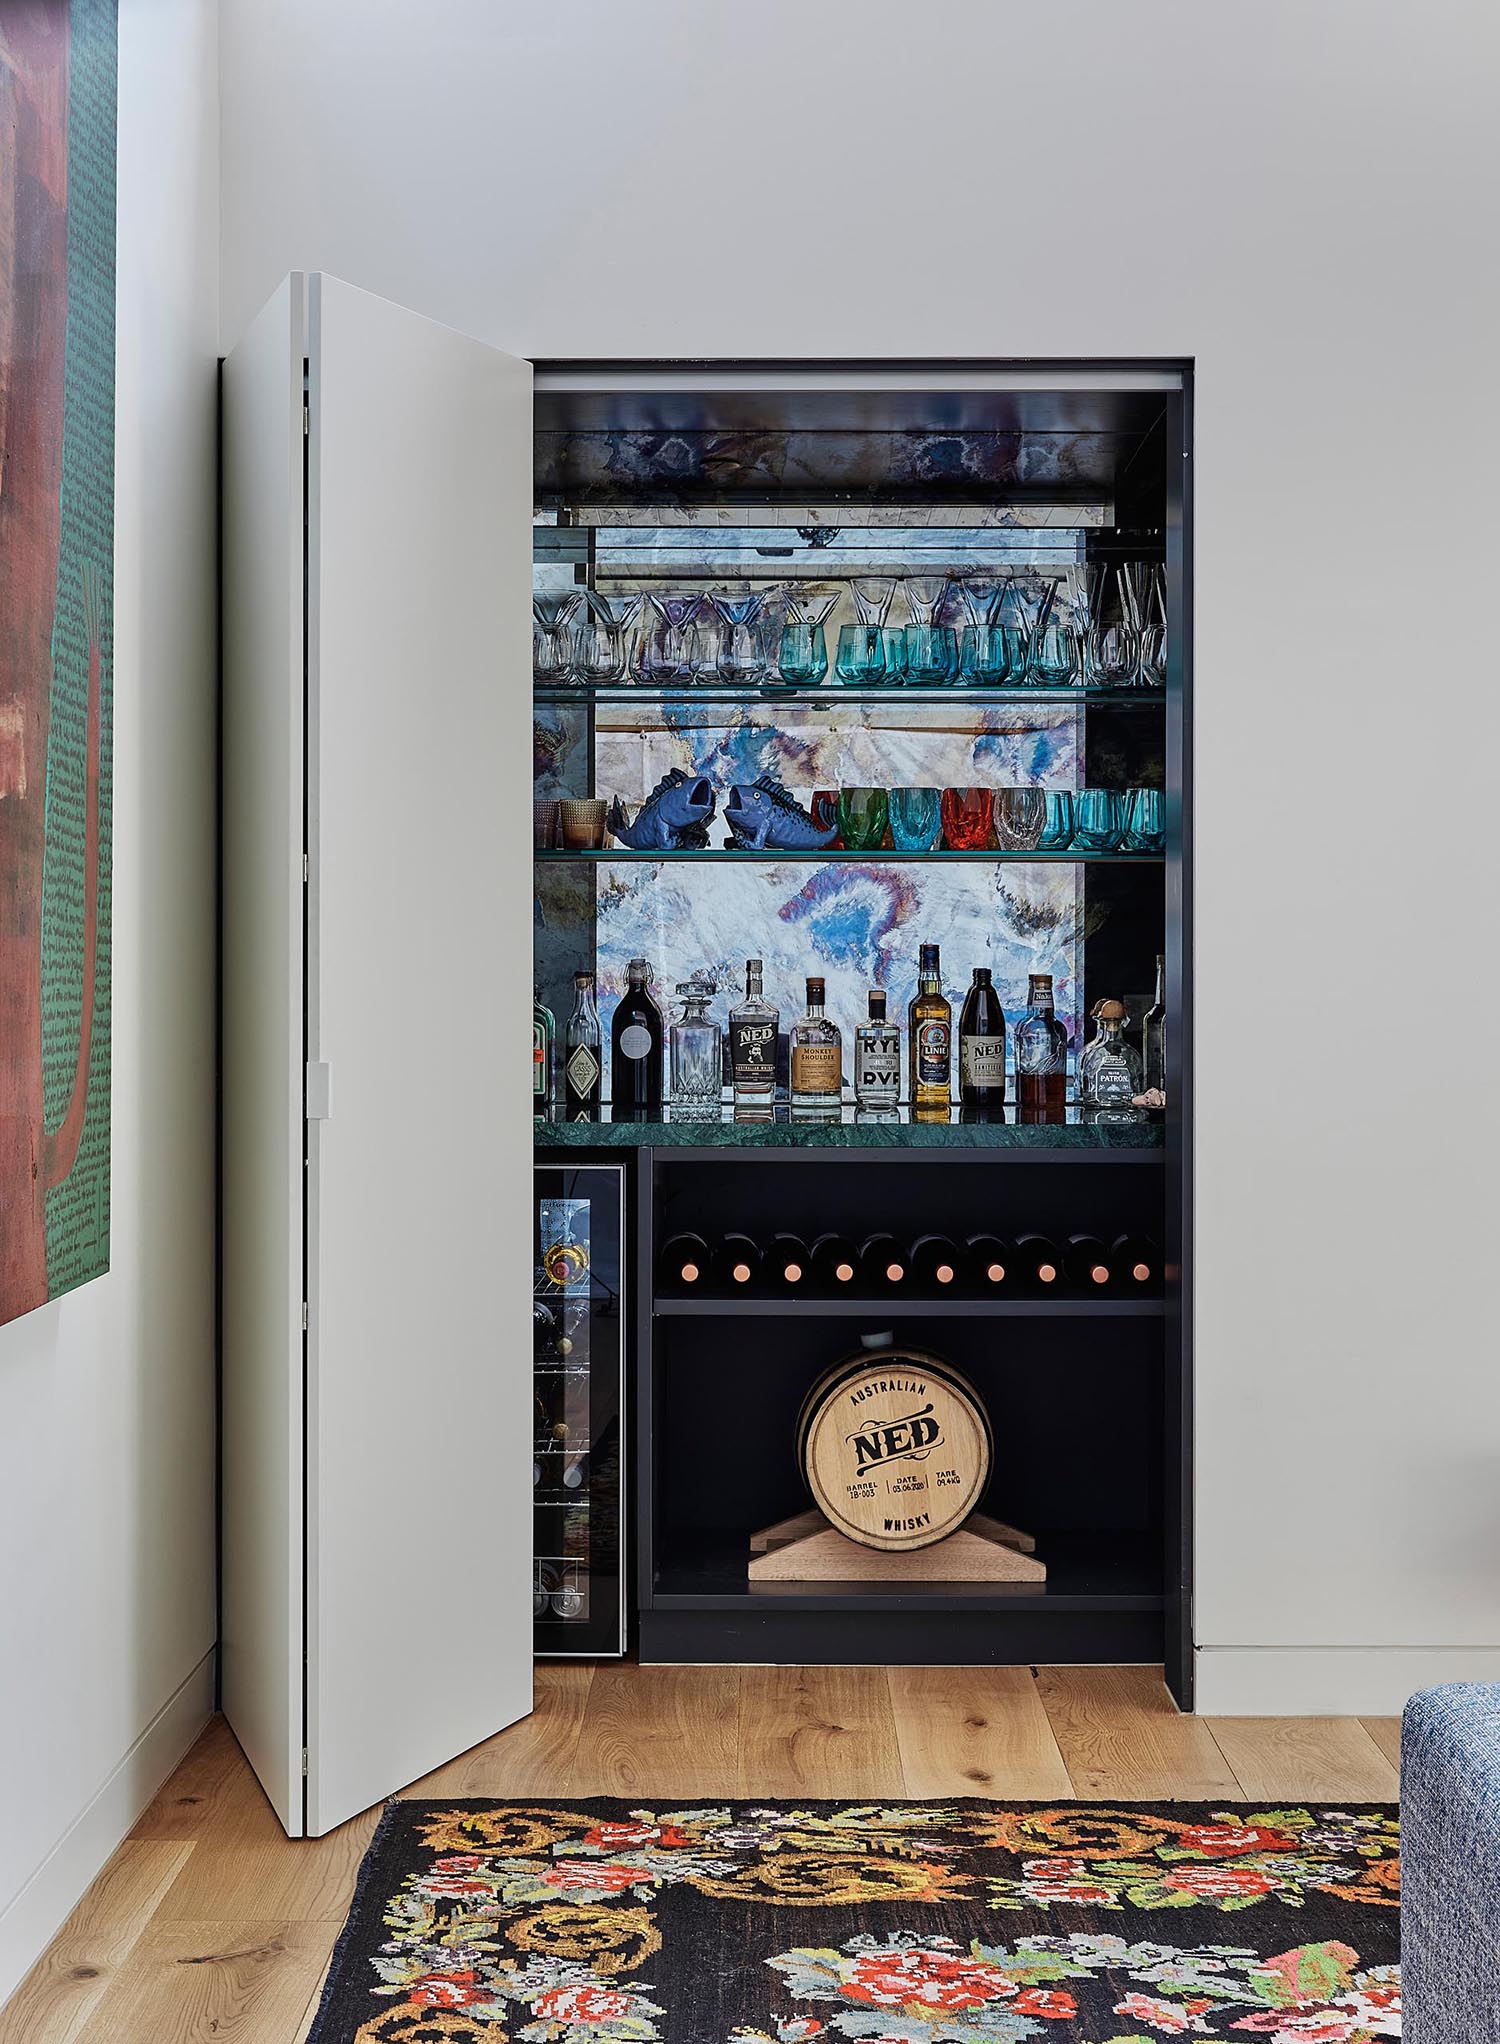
1074 1132
624 856
830 695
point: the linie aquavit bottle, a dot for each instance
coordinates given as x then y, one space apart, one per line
981 1045
817 1061
583 1060
930 1042
1041 1053
543 1040
752 1042
877 1058
635 1049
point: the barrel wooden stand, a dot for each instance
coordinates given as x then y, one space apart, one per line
807 1549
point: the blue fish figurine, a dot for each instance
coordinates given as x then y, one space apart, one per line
673 818
765 818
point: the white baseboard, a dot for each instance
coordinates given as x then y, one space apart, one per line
1299 1682
33 1918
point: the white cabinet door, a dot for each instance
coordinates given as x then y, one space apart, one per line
415 1543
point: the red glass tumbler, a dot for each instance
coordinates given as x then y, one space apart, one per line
968 818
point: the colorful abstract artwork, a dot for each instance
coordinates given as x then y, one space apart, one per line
57 362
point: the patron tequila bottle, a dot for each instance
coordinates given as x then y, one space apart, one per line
1154 1032
877 1058
583 1061
930 1042
543 1039
635 1049
981 1046
817 1062
1041 1054
1109 1069
752 1043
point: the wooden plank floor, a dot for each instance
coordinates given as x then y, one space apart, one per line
208 1923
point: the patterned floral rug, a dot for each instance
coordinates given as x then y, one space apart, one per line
910 1923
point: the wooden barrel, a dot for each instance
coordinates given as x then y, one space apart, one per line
895 1447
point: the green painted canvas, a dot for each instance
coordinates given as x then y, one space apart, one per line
57 431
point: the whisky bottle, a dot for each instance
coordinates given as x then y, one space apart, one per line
635 1049
543 1042
1109 1069
934 1261
817 1060
752 1043
1041 1053
930 1042
877 1058
583 1063
1154 1032
981 1045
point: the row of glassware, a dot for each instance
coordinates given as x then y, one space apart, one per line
1089 626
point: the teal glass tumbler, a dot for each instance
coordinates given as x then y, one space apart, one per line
931 654
983 658
1057 823
893 646
860 655
1145 820
916 819
863 815
803 661
1054 659
1098 819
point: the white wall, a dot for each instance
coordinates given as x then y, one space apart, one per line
1299 194
107 1396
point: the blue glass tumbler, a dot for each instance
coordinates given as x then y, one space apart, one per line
915 818
1098 819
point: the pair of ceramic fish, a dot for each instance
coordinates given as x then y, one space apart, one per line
675 816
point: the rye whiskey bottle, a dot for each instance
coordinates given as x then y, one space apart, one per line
543 1053
930 1042
817 1062
877 1058
752 1043
1154 1032
981 1045
635 1049
583 1055
1041 1054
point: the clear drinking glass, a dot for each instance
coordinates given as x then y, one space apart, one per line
804 650
670 647
1145 820
1057 823
742 640
983 657
860 658
931 648
915 818
1098 819
1054 656
1113 656
863 815
695 1052
1153 661
601 643
1020 814
551 639
893 648
968 817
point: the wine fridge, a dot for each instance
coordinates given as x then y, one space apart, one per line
578 1455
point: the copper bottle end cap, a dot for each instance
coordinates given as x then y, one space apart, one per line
1140 1272
944 1273
1047 1272
793 1273
894 1273
741 1273
844 1272
1099 1274
690 1273
996 1273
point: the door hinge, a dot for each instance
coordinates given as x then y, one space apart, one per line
304 1761
304 1316
306 422
304 869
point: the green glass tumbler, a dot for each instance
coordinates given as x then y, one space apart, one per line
863 815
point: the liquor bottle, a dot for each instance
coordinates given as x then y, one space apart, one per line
736 1263
696 1052
1041 1052
981 1045
930 1042
635 1049
877 1058
752 1043
583 1063
882 1264
1134 1263
788 1263
1086 1263
991 1264
1154 1032
817 1089
543 1053
1109 1069
684 1260
935 1262
1037 1260
835 1263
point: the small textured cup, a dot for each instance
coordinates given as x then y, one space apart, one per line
863 813
1020 815
1057 828
582 825
968 814
543 825
1098 819
1145 820
916 824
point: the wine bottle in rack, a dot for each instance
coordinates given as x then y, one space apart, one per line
575 1472
736 1263
1134 1263
1086 1263
883 1264
992 1264
935 1263
835 1264
684 1262
1037 1261
788 1265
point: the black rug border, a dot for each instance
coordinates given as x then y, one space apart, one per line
398 1807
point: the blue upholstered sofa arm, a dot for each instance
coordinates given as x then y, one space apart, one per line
1450 1866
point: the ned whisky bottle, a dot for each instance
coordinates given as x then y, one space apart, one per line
1041 1054
817 1062
981 1045
752 1043
930 1042
583 1058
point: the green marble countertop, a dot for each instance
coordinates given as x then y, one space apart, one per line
900 1133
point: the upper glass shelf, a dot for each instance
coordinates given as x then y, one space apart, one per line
625 857
831 695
